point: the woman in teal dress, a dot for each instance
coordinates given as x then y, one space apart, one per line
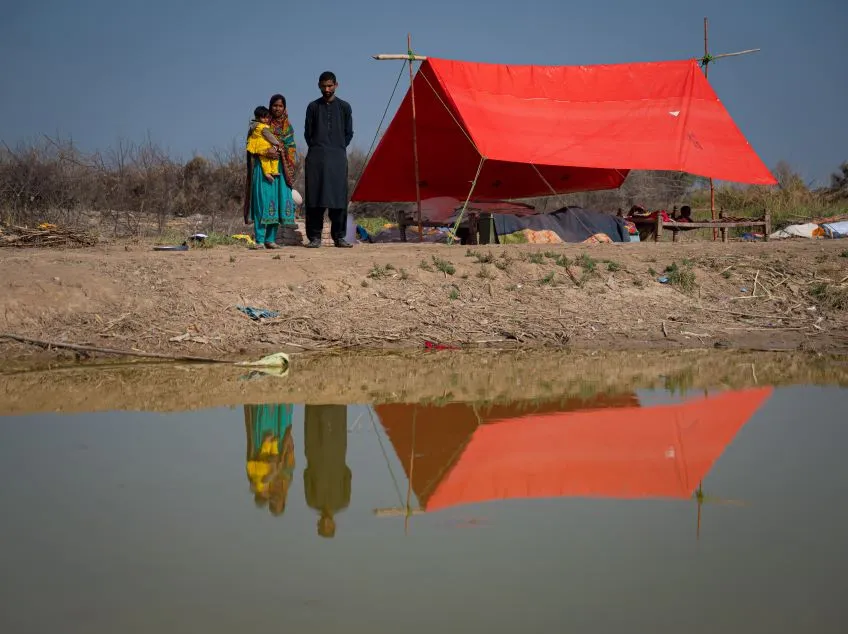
270 453
268 205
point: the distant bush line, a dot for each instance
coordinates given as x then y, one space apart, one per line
136 189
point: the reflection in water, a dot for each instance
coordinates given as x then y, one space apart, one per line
270 453
326 478
607 447
142 530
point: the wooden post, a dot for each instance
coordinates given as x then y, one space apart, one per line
767 228
409 471
395 511
699 496
658 231
706 62
706 75
414 139
406 56
723 229
486 229
401 220
472 228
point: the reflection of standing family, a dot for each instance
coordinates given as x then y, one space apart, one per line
270 459
271 158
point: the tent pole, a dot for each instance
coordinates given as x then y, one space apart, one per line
706 75
409 484
414 139
410 57
404 57
467 200
705 61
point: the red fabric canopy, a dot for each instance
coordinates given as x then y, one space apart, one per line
661 451
566 128
621 451
436 434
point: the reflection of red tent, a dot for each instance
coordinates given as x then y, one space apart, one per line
624 452
538 130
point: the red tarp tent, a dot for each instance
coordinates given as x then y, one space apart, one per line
624 452
554 129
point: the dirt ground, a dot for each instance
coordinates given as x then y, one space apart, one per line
789 295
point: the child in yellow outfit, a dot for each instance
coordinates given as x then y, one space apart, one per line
260 140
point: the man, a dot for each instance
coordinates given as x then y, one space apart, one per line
328 131
327 478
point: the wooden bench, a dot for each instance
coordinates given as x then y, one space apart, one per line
473 221
659 225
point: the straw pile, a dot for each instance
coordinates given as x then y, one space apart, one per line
45 235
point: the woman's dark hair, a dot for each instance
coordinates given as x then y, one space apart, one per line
261 111
274 99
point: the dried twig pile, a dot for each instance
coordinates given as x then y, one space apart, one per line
44 236
779 295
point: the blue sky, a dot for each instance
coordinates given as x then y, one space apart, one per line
189 73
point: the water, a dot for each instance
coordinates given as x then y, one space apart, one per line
577 513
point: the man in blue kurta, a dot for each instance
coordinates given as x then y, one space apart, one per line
328 132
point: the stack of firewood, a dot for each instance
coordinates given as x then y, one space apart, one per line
45 235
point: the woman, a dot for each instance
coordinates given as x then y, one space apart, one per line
268 204
270 453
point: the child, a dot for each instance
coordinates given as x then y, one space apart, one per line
260 139
685 214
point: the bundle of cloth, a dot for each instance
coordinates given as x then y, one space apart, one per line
568 224
833 227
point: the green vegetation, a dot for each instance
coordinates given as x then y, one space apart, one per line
504 262
379 272
372 225
485 273
587 263
444 266
547 280
683 278
830 296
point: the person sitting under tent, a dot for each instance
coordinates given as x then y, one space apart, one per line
685 214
